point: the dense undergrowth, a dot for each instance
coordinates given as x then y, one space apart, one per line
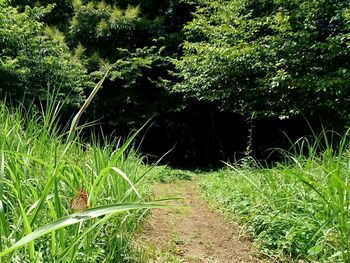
40 173
299 209
166 174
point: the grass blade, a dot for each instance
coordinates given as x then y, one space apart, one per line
74 219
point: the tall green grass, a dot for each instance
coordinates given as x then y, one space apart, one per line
40 173
299 208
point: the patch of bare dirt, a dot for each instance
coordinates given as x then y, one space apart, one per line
192 231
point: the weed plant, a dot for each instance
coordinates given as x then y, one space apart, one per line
299 208
165 174
40 173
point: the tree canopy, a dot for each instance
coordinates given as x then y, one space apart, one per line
274 58
35 57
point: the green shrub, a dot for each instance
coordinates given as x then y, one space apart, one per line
35 58
166 174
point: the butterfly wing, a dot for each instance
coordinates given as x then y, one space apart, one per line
79 202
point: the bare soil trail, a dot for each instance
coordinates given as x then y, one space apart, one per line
192 232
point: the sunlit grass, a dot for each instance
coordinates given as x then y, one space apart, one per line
297 209
40 173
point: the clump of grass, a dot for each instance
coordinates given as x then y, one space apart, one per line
145 252
297 209
165 174
40 172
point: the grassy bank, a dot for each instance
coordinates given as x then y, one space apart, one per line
40 174
298 209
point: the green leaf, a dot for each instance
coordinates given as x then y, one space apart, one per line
315 250
77 218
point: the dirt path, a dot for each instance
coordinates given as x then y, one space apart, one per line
192 233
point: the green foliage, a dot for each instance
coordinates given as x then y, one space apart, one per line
61 12
168 175
298 208
130 34
40 174
275 58
102 27
122 34
35 58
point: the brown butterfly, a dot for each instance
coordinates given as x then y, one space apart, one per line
79 202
